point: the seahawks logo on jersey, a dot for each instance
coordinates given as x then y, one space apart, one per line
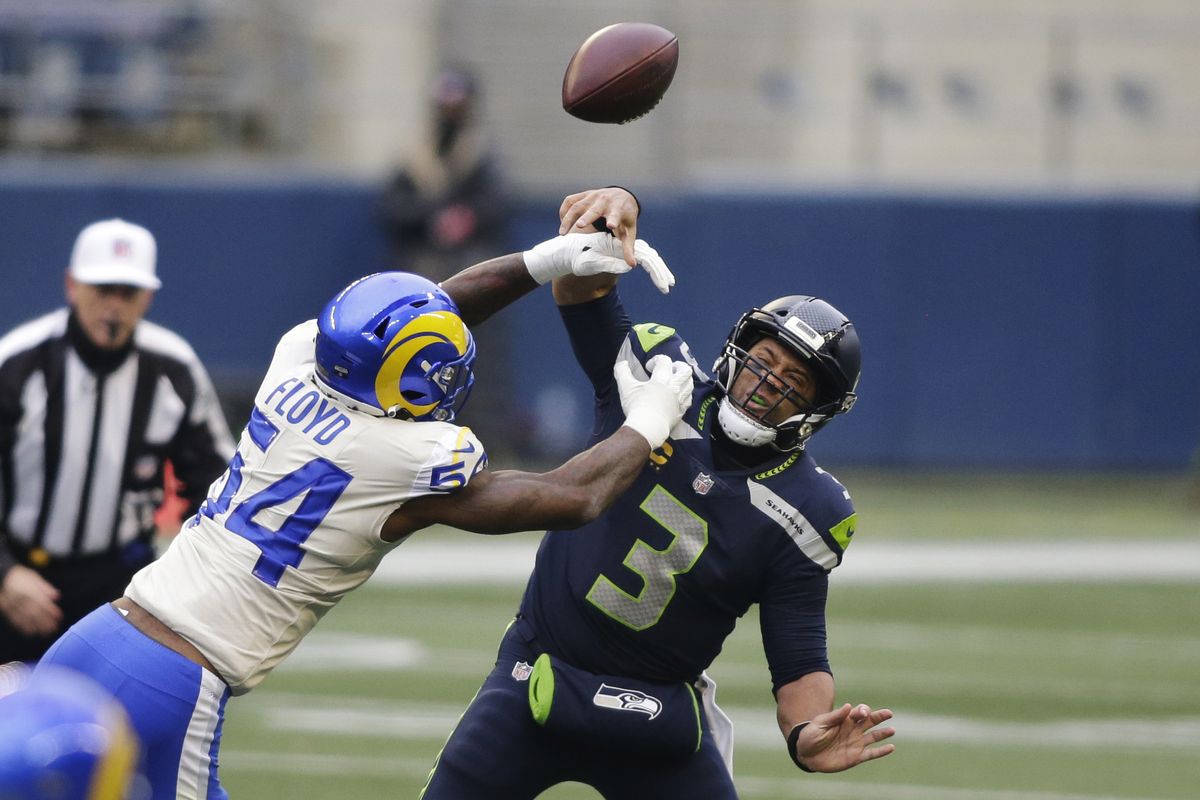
620 699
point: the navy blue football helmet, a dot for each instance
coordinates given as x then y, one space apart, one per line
394 344
62 737
822 337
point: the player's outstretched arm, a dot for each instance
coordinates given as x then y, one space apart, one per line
483 289
576 492
509 501
829 741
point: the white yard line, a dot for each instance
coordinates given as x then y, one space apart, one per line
841 789
385 765
508 560
389 765
326 651
754 728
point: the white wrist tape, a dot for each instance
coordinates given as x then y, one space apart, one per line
651 425
541 266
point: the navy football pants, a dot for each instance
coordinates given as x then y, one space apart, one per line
498 752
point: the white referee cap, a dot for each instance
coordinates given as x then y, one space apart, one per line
115 251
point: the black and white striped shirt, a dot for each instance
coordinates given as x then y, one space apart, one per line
84 435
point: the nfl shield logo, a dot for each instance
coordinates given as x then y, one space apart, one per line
702 483
521 671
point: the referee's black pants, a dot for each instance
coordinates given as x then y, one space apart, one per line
84 584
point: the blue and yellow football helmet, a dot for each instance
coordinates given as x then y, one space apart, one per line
393 343
62 737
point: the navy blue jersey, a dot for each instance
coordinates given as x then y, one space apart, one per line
653 587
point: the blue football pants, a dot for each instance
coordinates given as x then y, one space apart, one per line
176 706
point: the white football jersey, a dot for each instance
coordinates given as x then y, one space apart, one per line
294 523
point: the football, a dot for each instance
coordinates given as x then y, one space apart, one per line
620 72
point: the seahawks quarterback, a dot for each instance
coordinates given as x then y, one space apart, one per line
350 448
601 677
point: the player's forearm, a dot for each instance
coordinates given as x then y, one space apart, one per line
564 498
596 477
485 288
803 699
510 501
573 290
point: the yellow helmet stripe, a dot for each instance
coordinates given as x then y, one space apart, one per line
114 772
419 333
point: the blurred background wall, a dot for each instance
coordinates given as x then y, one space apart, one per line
1004 196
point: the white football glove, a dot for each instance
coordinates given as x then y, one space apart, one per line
585 254
656 405
649 260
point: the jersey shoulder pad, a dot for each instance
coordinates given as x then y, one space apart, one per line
293 357
453 455
649 339
298 345
811 506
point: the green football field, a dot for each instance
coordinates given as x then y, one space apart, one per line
1054 656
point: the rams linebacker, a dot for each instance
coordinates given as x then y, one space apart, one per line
350 448
601 677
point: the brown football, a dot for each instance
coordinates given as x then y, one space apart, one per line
620 72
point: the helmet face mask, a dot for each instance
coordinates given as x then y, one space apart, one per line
393 344
820 337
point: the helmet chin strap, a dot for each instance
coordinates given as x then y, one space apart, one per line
398 412
740 428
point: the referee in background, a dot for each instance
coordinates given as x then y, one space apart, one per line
94 401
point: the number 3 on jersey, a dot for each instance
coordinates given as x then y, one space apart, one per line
323 481
657 568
